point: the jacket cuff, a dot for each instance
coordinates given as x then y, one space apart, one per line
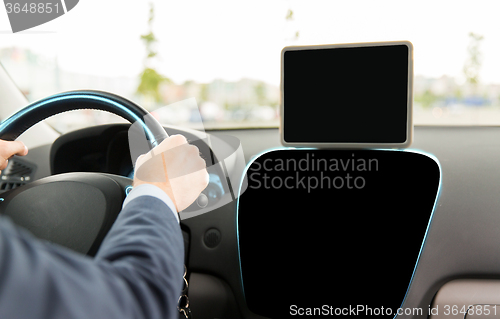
154 191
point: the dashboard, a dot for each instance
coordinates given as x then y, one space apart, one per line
461 241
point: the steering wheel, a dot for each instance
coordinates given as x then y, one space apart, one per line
75 210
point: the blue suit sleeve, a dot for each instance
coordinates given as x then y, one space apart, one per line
137 273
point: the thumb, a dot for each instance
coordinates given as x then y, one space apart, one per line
10 148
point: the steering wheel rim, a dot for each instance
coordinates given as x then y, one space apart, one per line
76 209
16 124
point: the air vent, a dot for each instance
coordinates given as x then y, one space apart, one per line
17 173
17 168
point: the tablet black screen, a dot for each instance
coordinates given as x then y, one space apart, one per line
346 95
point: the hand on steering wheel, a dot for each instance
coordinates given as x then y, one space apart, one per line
176 167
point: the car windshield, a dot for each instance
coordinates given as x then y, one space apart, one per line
221 59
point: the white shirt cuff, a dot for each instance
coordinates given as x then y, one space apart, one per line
151 190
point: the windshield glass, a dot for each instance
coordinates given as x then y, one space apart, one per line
223 57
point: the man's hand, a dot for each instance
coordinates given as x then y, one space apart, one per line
176 167
9 149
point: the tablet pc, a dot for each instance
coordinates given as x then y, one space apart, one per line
356 95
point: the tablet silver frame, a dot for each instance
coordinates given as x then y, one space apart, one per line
409 121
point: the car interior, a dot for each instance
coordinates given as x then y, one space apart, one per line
345 209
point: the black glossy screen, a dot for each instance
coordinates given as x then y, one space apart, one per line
343 235
346 95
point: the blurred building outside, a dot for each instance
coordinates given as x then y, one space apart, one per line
222 104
